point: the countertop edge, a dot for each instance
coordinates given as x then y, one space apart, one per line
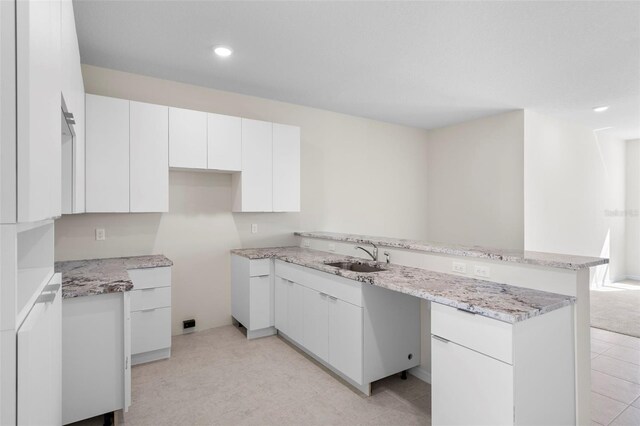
455 250
486 312
122 283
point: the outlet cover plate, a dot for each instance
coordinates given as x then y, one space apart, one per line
459 267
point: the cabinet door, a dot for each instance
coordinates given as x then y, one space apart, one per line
107 154
127 349
345 338
68 44
40 363
92 335
286 168
260 302
255 192
315 324
295 312
38 109
281 304
73 98
8 177
149 162
187 138
224 136
469 387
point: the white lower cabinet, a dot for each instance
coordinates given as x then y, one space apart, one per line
361 332
345 338
488 372
315 322
281 291
96 362
295 311
150 314
252 295
151 330
289 307
325 316
39 361
469 387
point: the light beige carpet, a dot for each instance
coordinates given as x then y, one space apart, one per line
616 307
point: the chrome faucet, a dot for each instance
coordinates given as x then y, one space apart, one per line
373 255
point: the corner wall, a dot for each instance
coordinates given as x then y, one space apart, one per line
633 209
475 182
574 192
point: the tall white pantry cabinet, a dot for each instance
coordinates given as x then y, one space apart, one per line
40 78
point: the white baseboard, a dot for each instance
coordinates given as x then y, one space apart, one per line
421 374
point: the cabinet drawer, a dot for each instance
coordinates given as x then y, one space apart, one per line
150 277
259 267
150 330
344 289
485 335
150 298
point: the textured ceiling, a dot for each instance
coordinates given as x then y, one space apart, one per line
422 64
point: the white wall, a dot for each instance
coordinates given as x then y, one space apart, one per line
475 182
633 209
574 192
358 176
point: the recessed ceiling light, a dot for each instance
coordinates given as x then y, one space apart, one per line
602 108
223 51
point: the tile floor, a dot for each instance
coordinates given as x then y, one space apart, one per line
218 377
615 379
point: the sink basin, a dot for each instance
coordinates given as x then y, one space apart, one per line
356 267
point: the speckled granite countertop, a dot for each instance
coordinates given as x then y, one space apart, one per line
494 300
99 276
550 260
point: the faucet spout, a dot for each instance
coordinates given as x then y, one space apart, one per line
374 254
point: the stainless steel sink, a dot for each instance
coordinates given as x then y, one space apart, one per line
356 266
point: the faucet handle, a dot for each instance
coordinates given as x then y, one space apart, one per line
386 255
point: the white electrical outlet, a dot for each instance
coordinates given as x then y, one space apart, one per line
306 243
332 247
101 235
254 228
459 267
481 271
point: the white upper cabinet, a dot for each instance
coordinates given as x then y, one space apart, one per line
107 154
253 188
145 140
148 157
73 99
187 138
38 109
224 136
286 168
